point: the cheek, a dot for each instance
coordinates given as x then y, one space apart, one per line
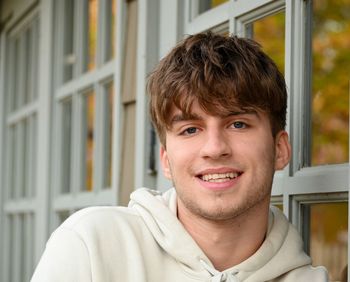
259 149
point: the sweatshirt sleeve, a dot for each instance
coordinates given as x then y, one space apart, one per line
66 258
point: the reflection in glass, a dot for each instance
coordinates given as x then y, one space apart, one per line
88 157
92 33
270 33
329 237
66 146
108 111
330 81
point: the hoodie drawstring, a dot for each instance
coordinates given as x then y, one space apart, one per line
218 276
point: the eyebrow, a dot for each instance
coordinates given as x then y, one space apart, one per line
193 116
184 117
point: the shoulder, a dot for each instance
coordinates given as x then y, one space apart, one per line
101 214
306 273
97 220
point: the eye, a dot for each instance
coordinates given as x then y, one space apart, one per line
190 131
239 124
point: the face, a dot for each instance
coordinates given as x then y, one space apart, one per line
222 166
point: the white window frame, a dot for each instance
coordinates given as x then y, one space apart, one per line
104 73
31 207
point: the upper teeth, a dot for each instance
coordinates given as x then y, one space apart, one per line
207 177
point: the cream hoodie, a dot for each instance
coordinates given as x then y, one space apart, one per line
146 242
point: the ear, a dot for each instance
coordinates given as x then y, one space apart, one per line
165 162
283 150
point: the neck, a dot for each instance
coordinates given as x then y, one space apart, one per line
230 241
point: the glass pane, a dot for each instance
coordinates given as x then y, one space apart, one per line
27 65
11 245
16 62
330 81
277 201
69 56
270 33
25 161
111 29
10 75
201 6
11 156
66 146
88 135
108 110
28 246
21 246
92 33
35 59
34 150
62 216
329 237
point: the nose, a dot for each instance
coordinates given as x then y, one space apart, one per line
216 145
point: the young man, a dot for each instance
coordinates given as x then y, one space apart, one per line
219 107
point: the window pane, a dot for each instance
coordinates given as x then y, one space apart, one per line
277 201
111 29
27 65
328 237
66 148
330 81
69 56
108 111
16 61
88 135
92 33
10 80
11 164
201 6
62 216
270 33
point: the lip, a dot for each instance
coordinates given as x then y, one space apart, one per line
219 186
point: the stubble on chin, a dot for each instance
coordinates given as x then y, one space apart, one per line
219 209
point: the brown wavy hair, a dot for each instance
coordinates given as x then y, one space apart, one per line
223 74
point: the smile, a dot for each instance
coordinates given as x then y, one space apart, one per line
219 177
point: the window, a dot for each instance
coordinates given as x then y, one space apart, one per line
21 114
84 103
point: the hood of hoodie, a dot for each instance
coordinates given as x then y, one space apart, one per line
280 252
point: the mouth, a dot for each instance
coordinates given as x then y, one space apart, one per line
219 177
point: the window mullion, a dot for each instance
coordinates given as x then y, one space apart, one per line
296 85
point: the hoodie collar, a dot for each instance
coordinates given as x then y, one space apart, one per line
280 252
